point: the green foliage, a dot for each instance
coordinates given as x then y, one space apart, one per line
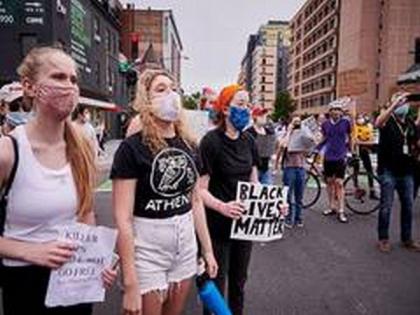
283 106
191 101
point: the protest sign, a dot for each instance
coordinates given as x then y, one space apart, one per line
198 122
261 221
265 144
301 140
80 280
311 124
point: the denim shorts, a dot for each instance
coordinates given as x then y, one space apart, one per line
165 251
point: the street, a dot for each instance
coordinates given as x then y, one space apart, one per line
324 268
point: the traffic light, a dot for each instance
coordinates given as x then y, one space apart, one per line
134 39
417 52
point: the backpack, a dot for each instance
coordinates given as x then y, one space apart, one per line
4 197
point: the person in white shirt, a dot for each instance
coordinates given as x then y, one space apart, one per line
82 121
52 186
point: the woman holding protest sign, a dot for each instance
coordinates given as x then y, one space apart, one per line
52 185
157 203
229 155
291 152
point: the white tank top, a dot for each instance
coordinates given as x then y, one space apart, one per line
40 199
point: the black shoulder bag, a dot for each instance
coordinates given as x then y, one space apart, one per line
4 196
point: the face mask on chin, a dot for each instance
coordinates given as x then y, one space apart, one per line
168 107
57 99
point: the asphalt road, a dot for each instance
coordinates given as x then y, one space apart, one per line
324 268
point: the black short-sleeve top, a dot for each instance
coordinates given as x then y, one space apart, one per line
164 180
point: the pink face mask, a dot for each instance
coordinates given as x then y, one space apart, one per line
59 100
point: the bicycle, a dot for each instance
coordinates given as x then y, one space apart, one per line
358 191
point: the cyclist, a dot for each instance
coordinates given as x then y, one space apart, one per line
337 143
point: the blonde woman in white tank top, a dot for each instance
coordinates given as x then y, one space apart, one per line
53 185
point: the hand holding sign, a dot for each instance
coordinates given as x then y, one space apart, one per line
52 254
284 210
233 209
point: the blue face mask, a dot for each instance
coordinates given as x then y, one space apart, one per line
239 117
402 111
212 114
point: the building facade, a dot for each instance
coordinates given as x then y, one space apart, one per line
351 48
264 66
377 43
143 28
312 67
87 29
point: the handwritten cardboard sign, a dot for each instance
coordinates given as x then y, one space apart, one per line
261 221
79 280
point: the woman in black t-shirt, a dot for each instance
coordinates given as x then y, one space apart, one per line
228 156
157 204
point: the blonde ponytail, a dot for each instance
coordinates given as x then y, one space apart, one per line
82 162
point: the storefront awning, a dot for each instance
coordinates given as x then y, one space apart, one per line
100 104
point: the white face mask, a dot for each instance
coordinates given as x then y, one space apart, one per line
167 107
360 121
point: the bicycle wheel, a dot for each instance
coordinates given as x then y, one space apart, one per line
312 190
360 198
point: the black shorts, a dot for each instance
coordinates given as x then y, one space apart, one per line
24 291
335 169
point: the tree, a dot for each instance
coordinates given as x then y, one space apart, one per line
191 101
283 106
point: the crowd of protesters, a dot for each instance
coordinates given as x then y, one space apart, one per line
174 197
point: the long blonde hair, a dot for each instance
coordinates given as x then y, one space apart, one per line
150 130
78 151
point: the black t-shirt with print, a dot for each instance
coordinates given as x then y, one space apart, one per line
164 180
391 155
227 162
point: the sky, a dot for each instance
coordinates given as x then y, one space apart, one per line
214 34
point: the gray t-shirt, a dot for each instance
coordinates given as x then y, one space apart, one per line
294 159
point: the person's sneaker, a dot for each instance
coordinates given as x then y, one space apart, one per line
373 195
411 246
328 212
288 225
384 246
299 224
342 217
